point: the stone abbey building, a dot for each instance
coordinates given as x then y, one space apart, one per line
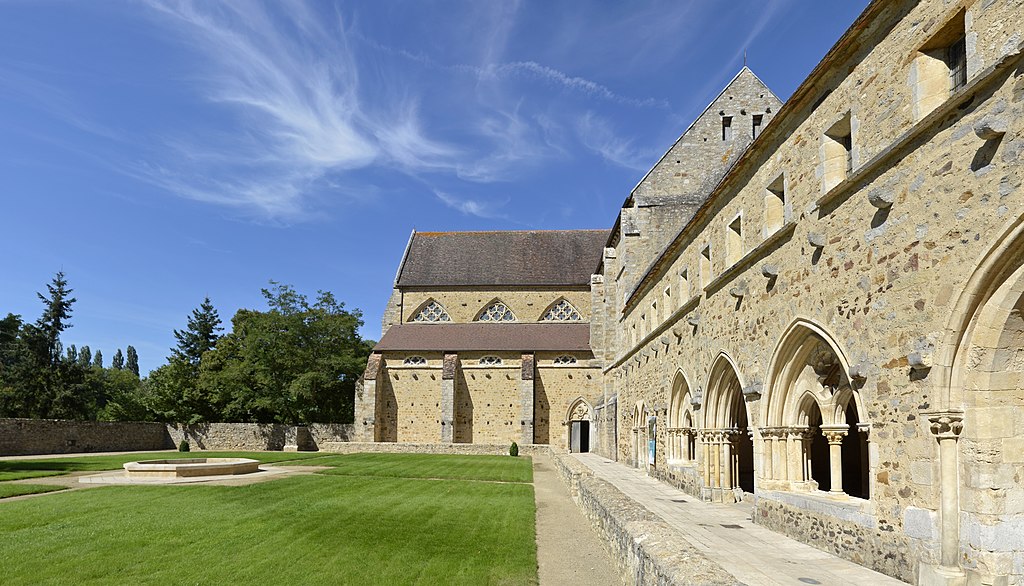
815 306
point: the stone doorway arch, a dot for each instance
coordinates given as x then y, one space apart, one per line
579 419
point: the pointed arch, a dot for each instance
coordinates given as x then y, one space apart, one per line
561 310
727 418
681 432
579 410
719 400
791 375
430 311
496 311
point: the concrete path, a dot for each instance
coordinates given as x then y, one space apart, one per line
569 550
754 554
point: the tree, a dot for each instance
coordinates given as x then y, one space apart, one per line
85 356
296 363
118 361
133 361
97 360
56 316
201 334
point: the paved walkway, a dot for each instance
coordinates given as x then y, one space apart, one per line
754 554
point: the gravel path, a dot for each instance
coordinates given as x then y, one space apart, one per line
569 550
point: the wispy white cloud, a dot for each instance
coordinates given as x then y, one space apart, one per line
597 135
470 207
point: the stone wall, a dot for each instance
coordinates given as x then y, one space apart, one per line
528 305
428 448
23 437
645 549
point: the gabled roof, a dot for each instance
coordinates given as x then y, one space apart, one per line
501 258
484 337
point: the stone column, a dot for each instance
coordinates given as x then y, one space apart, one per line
795 454
727 458
768 435
526 399
781 465
685 439
705 445
451 364
716 459
947 427
835 434
806 437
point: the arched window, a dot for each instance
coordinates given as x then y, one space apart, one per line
497 311
490 361
562 310
415 361
432 312
565 359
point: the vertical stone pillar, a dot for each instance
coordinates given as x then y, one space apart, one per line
705 446
835 434
727 459
946 426
781 465
366 401
795 454
526 399
806 437
716 459
448 369
685 439
768 435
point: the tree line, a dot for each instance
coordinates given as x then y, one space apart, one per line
297 361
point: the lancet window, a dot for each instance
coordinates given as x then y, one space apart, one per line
562 311
497 311
432 312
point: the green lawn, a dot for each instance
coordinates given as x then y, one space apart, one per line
20 469
495 468
9 490
359 527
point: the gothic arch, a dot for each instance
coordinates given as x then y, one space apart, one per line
813 419
720 402
430 311
807 361
729 449
496 311
681 432
561 310
579 410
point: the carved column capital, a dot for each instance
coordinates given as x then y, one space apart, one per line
835 433
946 424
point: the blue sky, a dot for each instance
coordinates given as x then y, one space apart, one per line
158 151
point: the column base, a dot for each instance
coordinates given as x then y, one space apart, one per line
931 575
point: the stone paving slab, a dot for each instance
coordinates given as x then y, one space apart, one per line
754 554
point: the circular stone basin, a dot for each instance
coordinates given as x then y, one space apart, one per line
188 467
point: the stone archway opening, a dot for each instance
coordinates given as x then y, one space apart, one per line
578 420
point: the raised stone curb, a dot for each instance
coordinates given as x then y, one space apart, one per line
646 549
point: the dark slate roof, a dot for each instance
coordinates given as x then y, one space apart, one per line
535 257
518 337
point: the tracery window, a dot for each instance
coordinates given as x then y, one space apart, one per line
432 312
565 359
414 361
490 361
497 311
562 311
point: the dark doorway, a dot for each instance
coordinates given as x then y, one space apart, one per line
744 451
579 441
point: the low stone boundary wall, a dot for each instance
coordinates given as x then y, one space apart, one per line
646 549
26 437
413 448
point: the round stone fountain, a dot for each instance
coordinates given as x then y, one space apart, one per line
190 467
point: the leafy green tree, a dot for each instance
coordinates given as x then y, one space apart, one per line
97 359
117 363
126 397
132 363
297 362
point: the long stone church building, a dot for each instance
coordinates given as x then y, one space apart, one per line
814 306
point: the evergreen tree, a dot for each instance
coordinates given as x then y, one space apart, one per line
85 356
200 336
118 362
133 361
55 318
72 355
97 361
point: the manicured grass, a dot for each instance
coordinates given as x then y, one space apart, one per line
20 469
495 468
314 529
9 490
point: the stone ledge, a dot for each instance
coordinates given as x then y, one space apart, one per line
646 549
